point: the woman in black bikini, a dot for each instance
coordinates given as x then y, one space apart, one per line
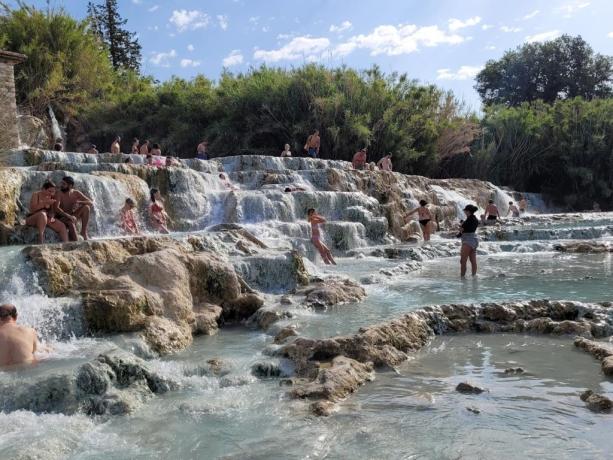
425 216
470 241
43 208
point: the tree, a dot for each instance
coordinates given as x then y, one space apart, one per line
65 67
108 26
563 68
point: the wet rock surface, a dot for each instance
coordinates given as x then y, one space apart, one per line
468 388
596 402
601 351
390 343
322 293
168 289
115 383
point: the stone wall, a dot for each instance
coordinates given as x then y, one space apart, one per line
9 131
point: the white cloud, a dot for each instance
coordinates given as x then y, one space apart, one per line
572 7
295 49
284 36
490 47
162 59
264 28
456 24
137 2
190 47
222 20
234 58
189 63
396 40
189 20
463 73
510 29
531 15
343 26
610 35
153 8
486 26
543 36
254 19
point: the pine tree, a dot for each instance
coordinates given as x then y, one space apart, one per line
107 24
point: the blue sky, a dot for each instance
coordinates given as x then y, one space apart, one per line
444 42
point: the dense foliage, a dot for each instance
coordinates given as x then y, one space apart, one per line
563 68
106 23
65 68
547 124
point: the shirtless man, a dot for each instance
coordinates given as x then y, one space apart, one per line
523 204
17 343
513 210
115 147
385 163
93 150
491 213
359 159
312 144
76 206
201 150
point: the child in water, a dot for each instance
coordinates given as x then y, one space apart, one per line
127 218
156 212
315 219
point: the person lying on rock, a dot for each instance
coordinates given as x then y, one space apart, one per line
157 214
76 207
127 218
227 183
315 219
43 209
17 343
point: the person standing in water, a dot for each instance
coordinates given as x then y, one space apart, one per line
312 144
157 213
17 343
127 218
523 204
385 163
135 149
491 212
43 208
425 216
513 209
115 147
201 152
470 240
315 219
286 151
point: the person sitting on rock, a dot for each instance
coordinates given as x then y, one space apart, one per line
17 343
359 159
315 219
43 208
115 146
425 217
158 215
144 148
127 218
134 149
156 151
286 151
385 163
76 207
513 209
93 150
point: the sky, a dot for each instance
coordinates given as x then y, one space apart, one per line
445 42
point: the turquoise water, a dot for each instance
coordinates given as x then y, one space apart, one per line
412 413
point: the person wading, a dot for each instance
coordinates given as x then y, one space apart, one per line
425 217
470 240
17 343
